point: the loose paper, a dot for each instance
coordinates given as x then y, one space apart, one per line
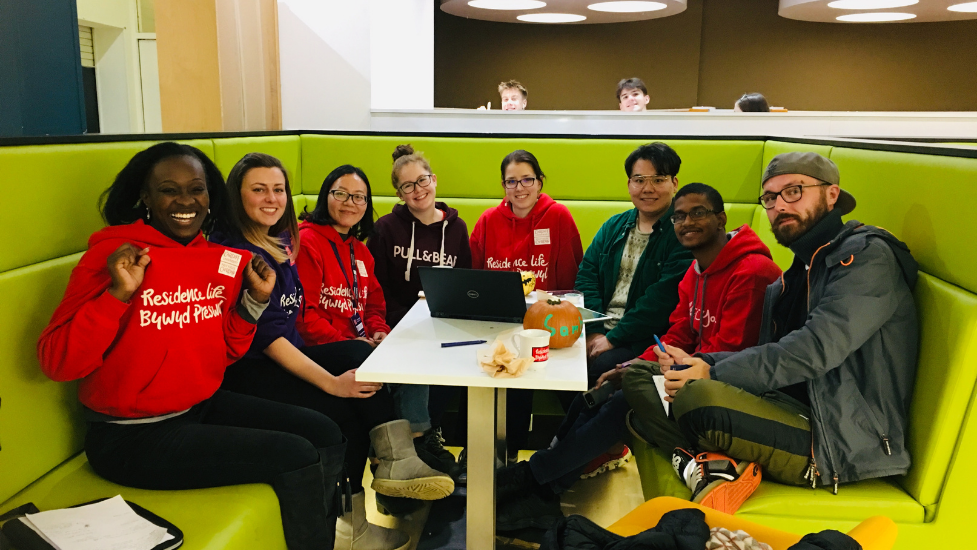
500 362
660 386
107 525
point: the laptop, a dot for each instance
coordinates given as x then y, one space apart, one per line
474 294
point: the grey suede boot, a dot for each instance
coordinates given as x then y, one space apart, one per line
353 532
400 473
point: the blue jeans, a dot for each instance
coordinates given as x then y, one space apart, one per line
410 403
584 435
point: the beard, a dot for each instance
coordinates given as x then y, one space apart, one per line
787 236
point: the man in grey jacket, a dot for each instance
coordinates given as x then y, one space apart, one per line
824 397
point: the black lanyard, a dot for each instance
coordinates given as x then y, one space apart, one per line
355 287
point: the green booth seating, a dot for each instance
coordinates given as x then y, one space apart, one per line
923 198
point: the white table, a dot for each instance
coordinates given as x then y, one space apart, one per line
412 354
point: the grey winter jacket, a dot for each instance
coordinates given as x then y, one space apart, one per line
857 352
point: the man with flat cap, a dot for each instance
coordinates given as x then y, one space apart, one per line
823 398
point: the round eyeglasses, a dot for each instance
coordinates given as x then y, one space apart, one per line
695 215
343 196
791 193
525 182
408 186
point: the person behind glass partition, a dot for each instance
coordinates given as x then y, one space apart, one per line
632 95
751 103
514 95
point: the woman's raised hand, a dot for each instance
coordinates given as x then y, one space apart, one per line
127 267
259 279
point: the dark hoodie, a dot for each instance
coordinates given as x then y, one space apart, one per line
400 244
719 309
278 319
545 242
163 351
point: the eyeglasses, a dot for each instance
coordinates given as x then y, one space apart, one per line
408 187
695 215
639 181
525 182
791 193
343 196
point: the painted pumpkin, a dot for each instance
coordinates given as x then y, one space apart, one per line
528 282
561 318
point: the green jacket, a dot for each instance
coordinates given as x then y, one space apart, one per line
654 289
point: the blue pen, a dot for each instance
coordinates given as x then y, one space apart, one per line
659 342
676 366
466 343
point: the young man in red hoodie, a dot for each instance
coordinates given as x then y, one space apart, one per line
725 315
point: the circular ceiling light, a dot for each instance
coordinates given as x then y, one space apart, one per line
875 17
627 6
507 4
871 4
551 18
968 7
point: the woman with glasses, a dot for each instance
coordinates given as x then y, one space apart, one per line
529 231
282 367
420 232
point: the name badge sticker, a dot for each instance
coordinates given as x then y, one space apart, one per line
361 267
229 263
541 236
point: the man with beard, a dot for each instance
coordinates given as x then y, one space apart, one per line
823 398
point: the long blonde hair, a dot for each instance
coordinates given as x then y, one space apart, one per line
240 223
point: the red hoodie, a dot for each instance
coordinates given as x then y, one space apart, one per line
720 309
166 349
545 242
326 315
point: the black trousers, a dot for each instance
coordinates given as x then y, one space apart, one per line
233 439
262 377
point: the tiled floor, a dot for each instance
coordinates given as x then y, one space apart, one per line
603 499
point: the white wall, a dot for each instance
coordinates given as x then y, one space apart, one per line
324 47
340 59
402 54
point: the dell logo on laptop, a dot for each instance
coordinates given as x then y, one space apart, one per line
472 294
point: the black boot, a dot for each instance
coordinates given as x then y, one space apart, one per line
308 499
337 496
430 449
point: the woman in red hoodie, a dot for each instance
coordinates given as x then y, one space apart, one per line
529 231
344 299
152 316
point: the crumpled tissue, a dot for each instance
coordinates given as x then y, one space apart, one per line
500 362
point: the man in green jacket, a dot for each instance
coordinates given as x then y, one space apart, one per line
634 264
823 399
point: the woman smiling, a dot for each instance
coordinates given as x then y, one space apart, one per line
150 389
281 367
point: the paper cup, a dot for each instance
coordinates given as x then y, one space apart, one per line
533 343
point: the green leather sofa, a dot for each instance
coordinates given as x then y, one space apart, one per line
927 199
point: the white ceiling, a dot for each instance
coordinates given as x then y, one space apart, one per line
576 7
925 11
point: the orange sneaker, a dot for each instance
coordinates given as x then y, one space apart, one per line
723 483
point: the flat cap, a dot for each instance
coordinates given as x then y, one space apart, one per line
812 165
